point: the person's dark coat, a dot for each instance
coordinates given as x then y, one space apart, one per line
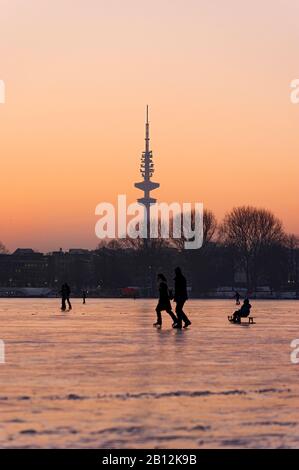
180 288
245 309
164 301
67 290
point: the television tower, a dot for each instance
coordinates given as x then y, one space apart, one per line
147 170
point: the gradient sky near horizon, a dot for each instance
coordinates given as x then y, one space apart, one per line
78 76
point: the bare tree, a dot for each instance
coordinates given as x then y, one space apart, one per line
251 231
121 243
209 226
209 230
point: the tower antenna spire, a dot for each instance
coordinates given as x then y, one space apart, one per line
147 133
147 170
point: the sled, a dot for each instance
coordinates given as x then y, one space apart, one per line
249 322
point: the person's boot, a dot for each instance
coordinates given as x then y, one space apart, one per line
177 326
187 323
157 324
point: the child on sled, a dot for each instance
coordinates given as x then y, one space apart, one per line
243 312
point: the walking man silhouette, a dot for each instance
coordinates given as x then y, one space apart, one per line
65 296
68 293
180 298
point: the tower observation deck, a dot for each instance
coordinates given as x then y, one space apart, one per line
147 170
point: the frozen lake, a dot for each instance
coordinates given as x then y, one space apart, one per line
101 376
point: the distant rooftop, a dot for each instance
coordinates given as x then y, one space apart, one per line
71 251
24 251
78 251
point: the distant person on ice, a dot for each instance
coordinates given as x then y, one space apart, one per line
65 296
237 297
84 295
164 301
180 298
243 312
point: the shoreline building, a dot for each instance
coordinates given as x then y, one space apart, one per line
147 170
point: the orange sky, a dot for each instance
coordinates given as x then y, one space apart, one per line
78 75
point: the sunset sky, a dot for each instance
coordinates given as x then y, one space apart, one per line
79 73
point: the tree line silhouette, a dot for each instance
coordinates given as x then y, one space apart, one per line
249 248
249 241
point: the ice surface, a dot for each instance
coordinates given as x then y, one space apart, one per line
101 376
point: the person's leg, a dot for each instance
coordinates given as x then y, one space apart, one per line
174 318
184 317
159 316
69 303
178 311
63 306
235 315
